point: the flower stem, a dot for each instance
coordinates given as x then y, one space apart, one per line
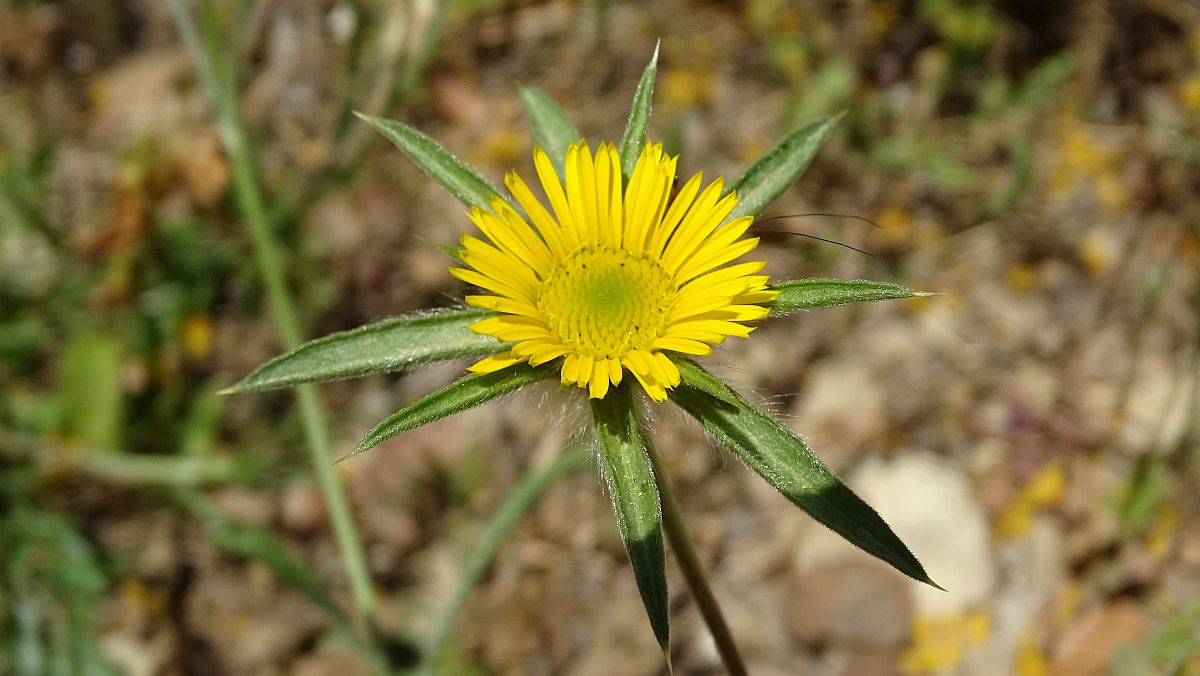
213 60
693 572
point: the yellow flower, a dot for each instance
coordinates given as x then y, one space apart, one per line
609 279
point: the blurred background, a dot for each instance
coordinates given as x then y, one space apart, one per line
1032 433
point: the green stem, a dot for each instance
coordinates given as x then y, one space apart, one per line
693 571
217 75
522 496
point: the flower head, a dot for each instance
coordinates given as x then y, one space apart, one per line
611 277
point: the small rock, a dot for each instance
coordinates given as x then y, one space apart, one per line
1156 412
246 506
842 408
861 604
301 507
341 662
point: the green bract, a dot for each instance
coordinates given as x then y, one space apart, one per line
625 457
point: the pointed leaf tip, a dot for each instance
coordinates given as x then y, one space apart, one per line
809 294
788 464
634 138
383 347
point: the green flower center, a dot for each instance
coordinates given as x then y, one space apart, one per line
604 303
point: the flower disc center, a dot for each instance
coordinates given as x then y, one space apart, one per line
603 302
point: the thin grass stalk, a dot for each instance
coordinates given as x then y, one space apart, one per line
217 75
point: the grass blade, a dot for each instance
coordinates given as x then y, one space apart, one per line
215 66
455 175
768 176
468 392
630 479
808 294
383 347
787 463
550 128
639 115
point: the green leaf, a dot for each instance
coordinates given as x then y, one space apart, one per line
52 586
767 177
390 345
627 471
90 388
548 125
808 294
455 175
787 463
456 397
639 115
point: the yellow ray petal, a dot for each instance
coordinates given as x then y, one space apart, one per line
718 327
506 305
585 369
614 371
598 387
698 226
550 230
548 177
547 353
485 282
581 190
495 362
679 207
570 369
683 345
652 387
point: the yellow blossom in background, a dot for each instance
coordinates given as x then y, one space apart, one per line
1046 489
1021 277
691 83
1083 160
196 335
896 225
1162 534
688 87
1098 251
1030 659
1189 92
502 147
1067 602
941 642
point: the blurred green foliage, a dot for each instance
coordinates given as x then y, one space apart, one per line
51 585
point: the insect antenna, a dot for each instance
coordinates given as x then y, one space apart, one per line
820 239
